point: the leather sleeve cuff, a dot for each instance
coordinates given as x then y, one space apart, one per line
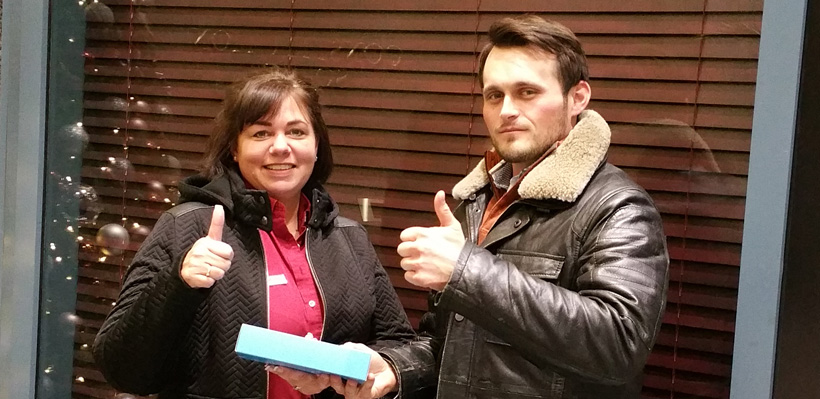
453 286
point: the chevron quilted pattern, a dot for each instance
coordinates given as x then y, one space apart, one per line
165 337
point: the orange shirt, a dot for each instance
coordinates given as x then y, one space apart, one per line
502 199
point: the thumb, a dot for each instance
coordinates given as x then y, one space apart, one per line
445 216
217 222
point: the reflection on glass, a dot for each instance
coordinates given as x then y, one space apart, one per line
90 208
365 210
112 239
96 11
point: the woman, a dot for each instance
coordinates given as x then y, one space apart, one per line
257 240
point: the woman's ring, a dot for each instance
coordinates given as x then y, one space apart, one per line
208 273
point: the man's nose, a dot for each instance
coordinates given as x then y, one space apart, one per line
509 109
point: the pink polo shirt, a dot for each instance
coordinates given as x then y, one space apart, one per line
294 304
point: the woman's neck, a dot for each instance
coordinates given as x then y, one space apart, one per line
291 214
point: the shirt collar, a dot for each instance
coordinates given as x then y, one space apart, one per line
278 212
501 172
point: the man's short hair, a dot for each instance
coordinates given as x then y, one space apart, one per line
549 36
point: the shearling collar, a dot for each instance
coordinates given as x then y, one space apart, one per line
563 174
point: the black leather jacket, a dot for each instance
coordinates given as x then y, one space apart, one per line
563 299
164 337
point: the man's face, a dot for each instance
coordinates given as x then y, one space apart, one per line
524 106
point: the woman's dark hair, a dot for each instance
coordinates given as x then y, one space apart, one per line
549 36
250 99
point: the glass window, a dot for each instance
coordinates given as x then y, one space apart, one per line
135 86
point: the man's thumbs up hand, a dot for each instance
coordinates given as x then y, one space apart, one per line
429 254
445 215
209 258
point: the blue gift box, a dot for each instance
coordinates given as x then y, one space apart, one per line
300 353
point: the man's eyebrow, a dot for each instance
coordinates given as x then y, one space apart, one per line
489 87
517 84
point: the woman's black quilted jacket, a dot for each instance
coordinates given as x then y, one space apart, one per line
164 337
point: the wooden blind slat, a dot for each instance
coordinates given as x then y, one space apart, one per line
397 120
396 180
711 229
172 123
690 362
696 340
681 159
704 251
701 317
745 23
693 182
400 140
704 273
642 6
674 133
695 384
734 5
703 296
716 206
399 160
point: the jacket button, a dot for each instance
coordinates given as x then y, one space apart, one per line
264 220
459 317
476 210
517 223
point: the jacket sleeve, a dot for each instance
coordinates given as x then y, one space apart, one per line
391 332
136 345
389 324
415 362
602 332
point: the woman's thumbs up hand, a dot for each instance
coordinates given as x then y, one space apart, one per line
209 258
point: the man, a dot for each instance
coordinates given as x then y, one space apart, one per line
558 289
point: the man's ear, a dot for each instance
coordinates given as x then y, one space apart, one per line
578 98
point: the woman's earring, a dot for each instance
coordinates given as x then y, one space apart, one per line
317 158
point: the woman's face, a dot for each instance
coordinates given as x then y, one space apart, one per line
277 152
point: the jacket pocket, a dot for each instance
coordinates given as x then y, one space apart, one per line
499 370
540 265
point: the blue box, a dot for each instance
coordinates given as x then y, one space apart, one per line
300 353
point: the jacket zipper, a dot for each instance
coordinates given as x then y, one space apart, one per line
267 309
470 220
316 280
